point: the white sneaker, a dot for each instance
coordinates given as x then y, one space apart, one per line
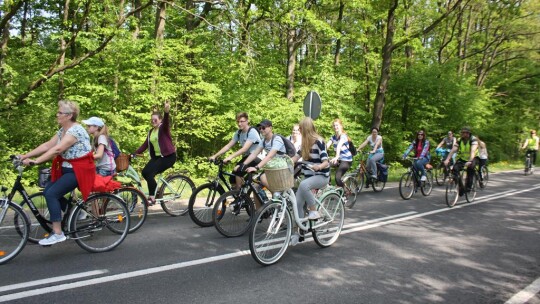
314 215
423 178
53 239
295 239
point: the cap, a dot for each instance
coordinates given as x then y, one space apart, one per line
265 123
466 129
94 121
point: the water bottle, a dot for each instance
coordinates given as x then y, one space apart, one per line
262 194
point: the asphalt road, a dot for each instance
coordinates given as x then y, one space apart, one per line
390 251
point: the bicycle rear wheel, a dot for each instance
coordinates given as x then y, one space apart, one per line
233 213
427 185
201 203
37 232
351 189
105 225
175 193
452 192
484 176
326 235
471 194
14 230
377 185
270 235
137 205
406 185
441 175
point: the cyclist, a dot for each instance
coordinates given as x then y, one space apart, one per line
72 167
447 142
532 144
314 151
343 158
161 149
100 145
249 138
467 149
421 152
482 157
376 153
296 137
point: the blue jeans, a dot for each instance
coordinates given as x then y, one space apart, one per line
55 191
420 165
372 162
104 172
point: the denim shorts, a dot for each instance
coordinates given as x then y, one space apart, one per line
105 172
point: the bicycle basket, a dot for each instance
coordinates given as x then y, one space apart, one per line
44 177
122 162
282 178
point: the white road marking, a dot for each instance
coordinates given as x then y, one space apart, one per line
52 280
526 294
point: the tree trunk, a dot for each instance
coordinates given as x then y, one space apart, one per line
138 17
339 28
291 62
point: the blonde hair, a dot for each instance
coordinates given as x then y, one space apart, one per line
71 106
101 131
309 136
337 120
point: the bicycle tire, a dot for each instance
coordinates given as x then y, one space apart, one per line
377 185
328 234
270 235
484 176
233 213
350 187
440 175
175 194
14 230
406 185
471 194
137 205
37 231
105 225
360 180
452 192
427 185
200 209
527 166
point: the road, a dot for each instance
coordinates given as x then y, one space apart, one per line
390 251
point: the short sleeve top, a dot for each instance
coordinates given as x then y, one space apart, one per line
276 143
242 137
79 148
345 154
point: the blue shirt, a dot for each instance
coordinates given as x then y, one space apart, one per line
345 153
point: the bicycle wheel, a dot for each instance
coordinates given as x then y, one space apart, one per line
377 185
452 191
326 235
270 235
440 174
105 224
406 185
201 203
233 213
351 189
37 231
484 177
14 230
175 194
427 185
527 166
471 194
137 205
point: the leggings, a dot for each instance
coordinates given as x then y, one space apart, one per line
341 170
154 167
304 194
533 156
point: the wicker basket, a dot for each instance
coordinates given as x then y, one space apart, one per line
279 179
122 162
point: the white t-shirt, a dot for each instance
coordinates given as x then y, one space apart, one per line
107 160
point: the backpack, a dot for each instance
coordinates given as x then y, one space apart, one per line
289 146
382 172
114 148
352 148
247 134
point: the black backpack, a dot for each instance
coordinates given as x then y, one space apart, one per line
352 148
249 130
289 146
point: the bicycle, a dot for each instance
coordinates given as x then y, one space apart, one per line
441 171
455 187
410 181
354 181
173 191
98 224
14 226
271 233
200 209
529 169
234 210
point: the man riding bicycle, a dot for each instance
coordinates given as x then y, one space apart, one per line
532 144
467 149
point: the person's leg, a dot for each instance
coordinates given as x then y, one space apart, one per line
54 196
156 166
372 163
533 157
420 165
341 170
304 195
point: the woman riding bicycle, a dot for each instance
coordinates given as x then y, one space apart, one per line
100 145
376 153
447 143
421 152
343 159
72 167
532 143
160 146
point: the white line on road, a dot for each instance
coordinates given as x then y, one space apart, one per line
526 294
137 273
52 280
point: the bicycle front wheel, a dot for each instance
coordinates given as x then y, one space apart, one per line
271 232
137 205
333 215
175 193
377 185
452 192
14 230
233 213
351 190
100 223
427 185
201 203
37 231
406 186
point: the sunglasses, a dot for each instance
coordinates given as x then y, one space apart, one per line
262 128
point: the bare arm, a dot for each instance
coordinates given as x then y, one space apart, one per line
98 154
67 141
225 148
44 147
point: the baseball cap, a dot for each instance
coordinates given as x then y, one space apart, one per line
265 123
466 129
94 121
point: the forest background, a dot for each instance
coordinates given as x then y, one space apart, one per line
399 65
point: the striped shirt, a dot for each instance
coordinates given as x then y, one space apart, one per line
345 153
317 155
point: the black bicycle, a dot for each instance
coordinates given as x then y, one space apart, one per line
411 180
455 187
234 210
201 202
98 224
528 163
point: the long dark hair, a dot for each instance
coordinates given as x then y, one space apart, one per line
423 139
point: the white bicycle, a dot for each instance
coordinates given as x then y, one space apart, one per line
271 232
